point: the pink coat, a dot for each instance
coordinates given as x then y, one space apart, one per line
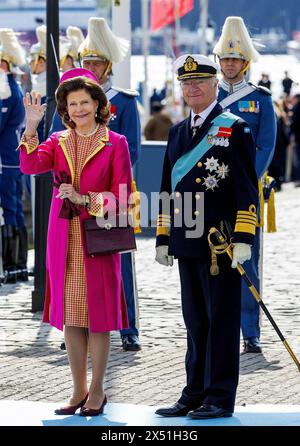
106 168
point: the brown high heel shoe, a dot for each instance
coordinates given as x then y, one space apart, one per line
70 410
86 412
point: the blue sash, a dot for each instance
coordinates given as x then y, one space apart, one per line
187 161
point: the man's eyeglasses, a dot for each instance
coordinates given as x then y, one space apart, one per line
193 83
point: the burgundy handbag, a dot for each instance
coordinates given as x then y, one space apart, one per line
107 238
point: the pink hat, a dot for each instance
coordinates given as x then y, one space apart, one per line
74 72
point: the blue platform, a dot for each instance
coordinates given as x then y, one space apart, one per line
28 413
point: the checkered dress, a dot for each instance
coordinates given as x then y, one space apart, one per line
75 292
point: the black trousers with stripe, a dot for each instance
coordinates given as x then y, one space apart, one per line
211 307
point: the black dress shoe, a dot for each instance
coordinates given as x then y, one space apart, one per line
209 411
22 275
252 345
177 410
131 343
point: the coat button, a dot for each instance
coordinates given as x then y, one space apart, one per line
199 164
177 194
176 210
197 196
196 213
198 180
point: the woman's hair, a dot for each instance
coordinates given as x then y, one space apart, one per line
93 89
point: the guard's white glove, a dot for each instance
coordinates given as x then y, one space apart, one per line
5 91
162 256
241 253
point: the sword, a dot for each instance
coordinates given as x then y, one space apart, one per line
222 247
55 55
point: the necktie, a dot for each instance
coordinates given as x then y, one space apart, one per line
195 127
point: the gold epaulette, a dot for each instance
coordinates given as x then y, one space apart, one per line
246 220
163 224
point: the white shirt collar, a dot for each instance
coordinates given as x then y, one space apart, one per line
203 115
232 88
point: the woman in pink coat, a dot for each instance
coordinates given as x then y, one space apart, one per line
90 164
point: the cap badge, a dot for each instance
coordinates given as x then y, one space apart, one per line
190 64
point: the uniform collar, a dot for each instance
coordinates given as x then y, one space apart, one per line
232 88
106 86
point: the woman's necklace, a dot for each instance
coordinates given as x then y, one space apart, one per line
88 134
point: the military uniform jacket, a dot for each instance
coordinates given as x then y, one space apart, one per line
12 115
225 175
257 110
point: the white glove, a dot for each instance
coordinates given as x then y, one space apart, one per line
5 91
162 256
241 253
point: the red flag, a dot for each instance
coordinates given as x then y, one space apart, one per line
164 12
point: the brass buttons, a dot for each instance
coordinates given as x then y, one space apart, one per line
177 194
198 180
176 210
199 164
196 213
197 196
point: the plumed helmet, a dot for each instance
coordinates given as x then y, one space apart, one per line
235 41
102 44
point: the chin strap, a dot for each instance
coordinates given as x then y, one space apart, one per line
246 67
107 70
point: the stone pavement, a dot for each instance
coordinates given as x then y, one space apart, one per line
34 368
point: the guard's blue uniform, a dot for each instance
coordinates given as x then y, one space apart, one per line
257 110
226 176
125 120
11 118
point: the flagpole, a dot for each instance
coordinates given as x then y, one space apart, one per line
145 27
203 22
177 27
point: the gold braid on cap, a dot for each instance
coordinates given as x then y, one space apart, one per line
95 53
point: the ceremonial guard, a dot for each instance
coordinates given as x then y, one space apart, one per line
14 234
68 48
100 49
209 173
253 103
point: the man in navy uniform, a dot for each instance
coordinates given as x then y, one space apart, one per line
14 233
68 48
235 51
210 158
100 49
